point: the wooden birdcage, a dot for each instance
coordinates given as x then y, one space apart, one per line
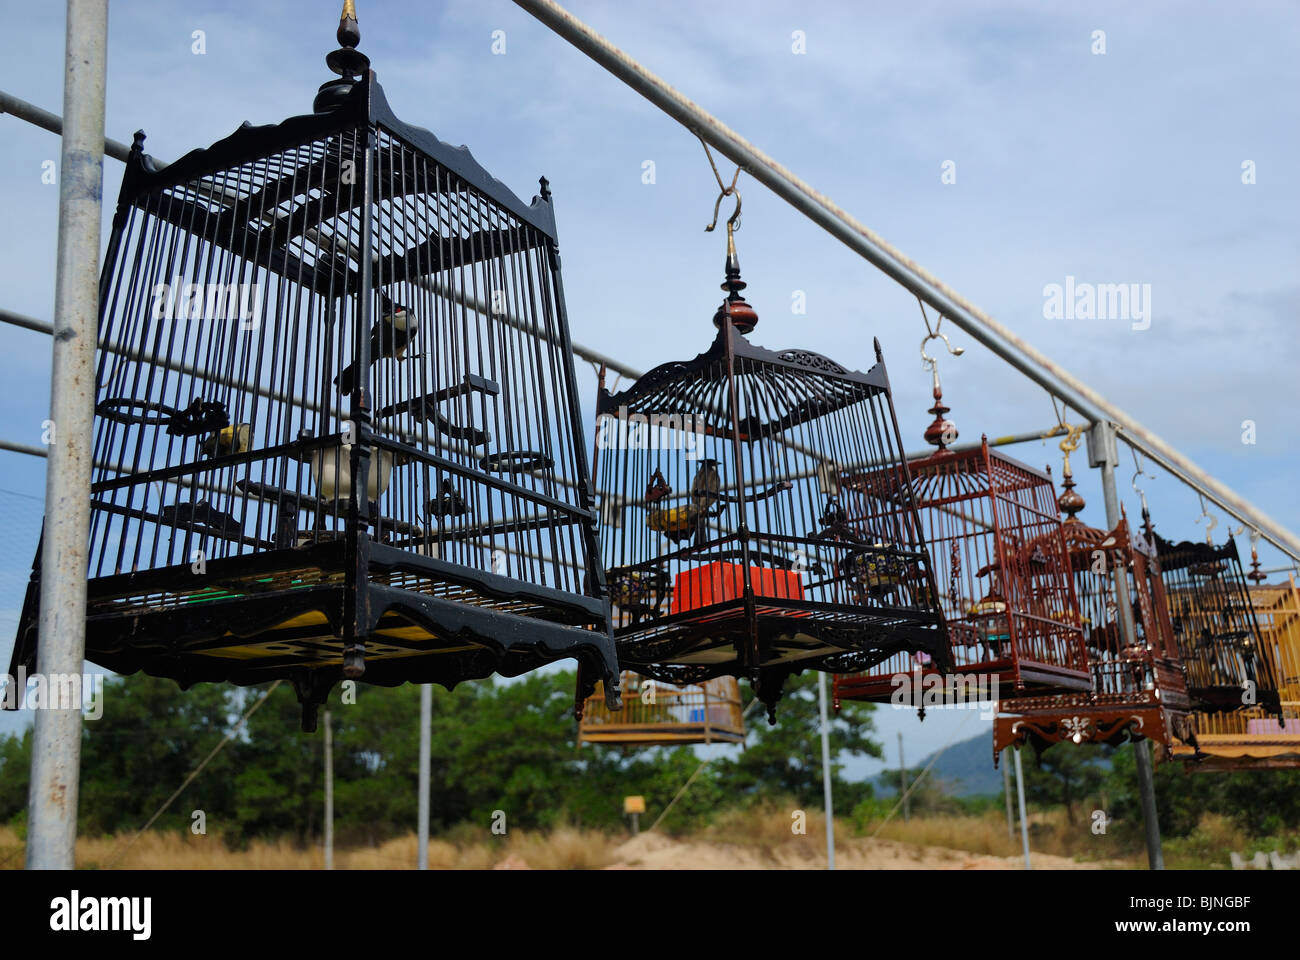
1138 688
1011 612
1252 738
726 547
336 296
1215 627
655 713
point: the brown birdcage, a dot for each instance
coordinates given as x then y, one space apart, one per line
727 548
1139 689
656 713
336 296
1010 610
1252 738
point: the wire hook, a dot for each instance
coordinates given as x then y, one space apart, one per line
733 222
934 333
1139 472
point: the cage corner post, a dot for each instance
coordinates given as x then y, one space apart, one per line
56 751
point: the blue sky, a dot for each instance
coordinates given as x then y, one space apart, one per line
1115 168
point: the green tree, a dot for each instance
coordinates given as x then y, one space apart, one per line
150 737
786 759
1065 775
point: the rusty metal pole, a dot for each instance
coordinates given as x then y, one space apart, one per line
56 744
1102 453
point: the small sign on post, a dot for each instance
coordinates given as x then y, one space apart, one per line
633 807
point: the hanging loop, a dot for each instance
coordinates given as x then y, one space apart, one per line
1071 441
733 222
1211 521
934 333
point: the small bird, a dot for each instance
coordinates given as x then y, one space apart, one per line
228 440
388 338
450 503
679 524
706 486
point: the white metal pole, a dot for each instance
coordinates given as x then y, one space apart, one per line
329 793
56 745
826 772
902 781
426 724
1006 793
1024 819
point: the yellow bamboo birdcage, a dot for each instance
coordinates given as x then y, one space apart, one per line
659 713
1254 738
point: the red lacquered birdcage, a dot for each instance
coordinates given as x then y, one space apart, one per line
1139 688
1010 610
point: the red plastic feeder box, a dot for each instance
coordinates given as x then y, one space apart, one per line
718 582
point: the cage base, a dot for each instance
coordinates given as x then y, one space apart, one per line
1089 723
299 620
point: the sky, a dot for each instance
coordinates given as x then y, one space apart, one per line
992 142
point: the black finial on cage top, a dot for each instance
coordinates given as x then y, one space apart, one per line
348 62
734 308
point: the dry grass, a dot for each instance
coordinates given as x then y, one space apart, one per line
565 848
759 837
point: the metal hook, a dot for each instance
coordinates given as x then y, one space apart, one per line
1211 521
933 333
733 222
1138 490
1071 441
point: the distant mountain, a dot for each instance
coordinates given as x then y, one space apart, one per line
966 766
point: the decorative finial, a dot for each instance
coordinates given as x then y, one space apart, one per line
941 430
1069 502
1256 574
735 308
348 62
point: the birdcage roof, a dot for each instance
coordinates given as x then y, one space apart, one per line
1176 556
949 476
776 389
273 193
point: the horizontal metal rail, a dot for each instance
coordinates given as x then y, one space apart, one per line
924 285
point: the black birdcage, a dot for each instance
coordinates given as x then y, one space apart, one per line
337 296
1215 626
726 546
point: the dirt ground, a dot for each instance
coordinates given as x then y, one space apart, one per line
653 851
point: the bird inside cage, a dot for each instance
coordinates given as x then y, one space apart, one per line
390 336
